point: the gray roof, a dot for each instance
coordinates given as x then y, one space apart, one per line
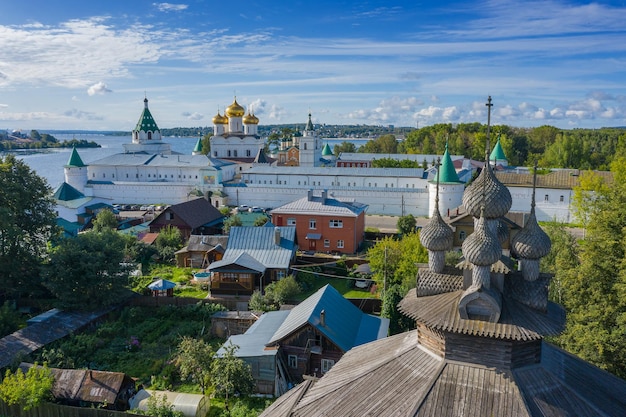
345 325
322 206
252 342
396 377
159 160
342 172
257 243
358 156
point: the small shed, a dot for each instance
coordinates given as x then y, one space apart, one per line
162 288
191 405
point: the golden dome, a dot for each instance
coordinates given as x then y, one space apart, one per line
219 119
250 119
235 110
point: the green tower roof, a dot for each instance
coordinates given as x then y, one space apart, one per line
198 147
146 121
497 154
327 151
75 160
446 172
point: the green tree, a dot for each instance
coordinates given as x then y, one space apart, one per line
347 147
28 390
231 375
562 261
232 221
595 296
168 242
382 144
398 322
259 302
261 220
394 261
206 144
9 319
104 220
193 360
283 290
27 222
406 224
87 271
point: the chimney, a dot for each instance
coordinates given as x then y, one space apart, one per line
309 195
324 196
323 318
277 235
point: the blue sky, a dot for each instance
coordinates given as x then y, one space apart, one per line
71 64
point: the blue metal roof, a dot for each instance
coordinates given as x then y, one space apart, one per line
252 342
345 325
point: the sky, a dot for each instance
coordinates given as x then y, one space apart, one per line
77 64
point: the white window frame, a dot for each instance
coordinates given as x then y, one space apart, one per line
340 244
327 364
312 224
291 221
335 224
327 243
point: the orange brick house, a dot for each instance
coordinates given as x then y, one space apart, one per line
324 224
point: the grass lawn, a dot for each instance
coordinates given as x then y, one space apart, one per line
345 286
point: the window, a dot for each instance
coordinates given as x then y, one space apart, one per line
235 151
546 197
312 223
340 244
169 216
327 364
293 361
215 154
462 235
561 199
335 224
248 152
326 243
228 153
291 221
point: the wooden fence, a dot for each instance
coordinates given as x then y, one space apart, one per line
57 410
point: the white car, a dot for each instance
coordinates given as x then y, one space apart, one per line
243 207
255 209
363 283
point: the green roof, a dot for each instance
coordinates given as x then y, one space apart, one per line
146 121
446 172
198 147
67 193
327 151
75 160
497 154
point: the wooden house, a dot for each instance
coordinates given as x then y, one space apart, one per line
255 257
201 250
195 217
89 388
283 347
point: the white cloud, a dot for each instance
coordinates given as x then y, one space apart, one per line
98 88
170 7
193 116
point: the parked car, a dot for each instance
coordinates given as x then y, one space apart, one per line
243 207
255 209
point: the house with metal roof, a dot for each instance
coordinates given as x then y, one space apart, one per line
198 217
201 251
324 223
283 347
254 257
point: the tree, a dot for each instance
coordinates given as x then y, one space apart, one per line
406 224
394 261
87 271
562 260
27 222
231 375
232 221
105 219
9 319
261 220
28 390
595 294
193 359
168 242
344 147
398 322
281 291
206 144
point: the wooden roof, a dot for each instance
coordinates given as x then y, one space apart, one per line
517 322
396 377
564 178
